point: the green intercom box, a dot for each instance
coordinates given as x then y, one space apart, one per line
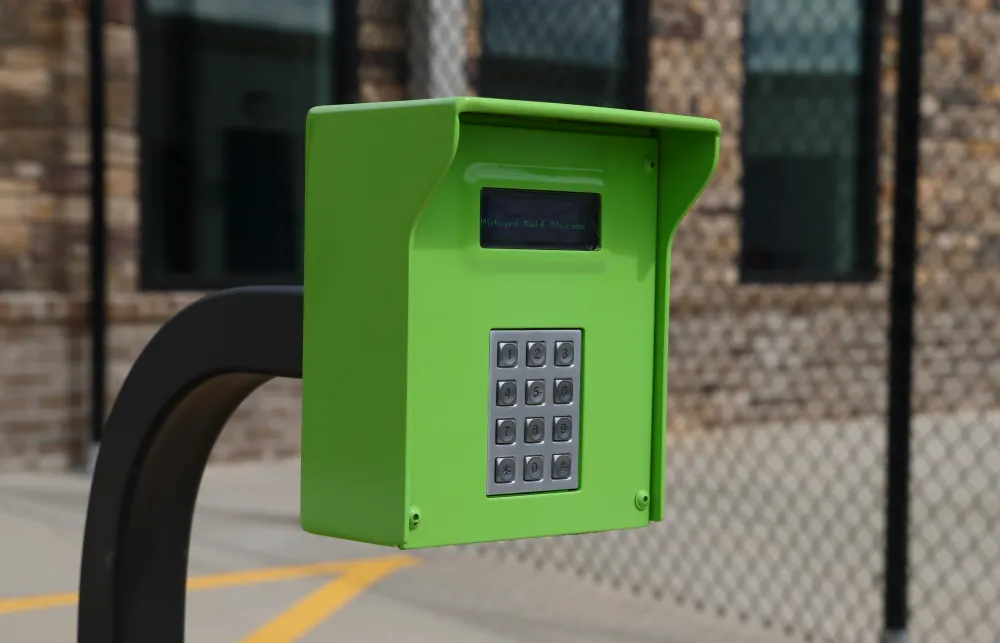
486 307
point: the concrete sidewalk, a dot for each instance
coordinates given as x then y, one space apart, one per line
247 522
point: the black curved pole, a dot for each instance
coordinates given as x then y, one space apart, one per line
181 390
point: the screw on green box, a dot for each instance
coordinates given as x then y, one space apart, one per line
401 298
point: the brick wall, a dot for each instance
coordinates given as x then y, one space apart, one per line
740 354
958 274
44 213
750 353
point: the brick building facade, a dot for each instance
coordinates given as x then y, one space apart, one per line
742 351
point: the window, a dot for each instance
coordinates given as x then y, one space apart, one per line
565 51
225 89
809 140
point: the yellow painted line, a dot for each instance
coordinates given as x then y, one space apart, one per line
216 581
303 617
29 603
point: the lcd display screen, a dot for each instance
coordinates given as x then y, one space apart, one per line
539 219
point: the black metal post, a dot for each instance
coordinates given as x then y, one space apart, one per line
636 44
902 304
870 89
177 397
98 250
346 56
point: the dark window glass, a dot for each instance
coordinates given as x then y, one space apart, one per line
562 51
225 90
806 142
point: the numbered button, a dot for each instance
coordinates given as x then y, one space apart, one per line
562 429
534 391
533 468
534 430
507 354
536 354
564 391
506 393
562 466
506 431
504 470
564 353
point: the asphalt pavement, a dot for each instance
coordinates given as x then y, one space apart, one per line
256 577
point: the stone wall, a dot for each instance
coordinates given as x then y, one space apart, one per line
740 353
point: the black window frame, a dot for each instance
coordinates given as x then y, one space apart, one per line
866 229
633 89
344 89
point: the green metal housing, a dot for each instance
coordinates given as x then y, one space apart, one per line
400 299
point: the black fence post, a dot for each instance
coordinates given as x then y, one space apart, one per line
636 43
347 57
902 303
98 252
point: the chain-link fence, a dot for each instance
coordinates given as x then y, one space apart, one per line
955 503
780 338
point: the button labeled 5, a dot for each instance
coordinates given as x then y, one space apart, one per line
534 391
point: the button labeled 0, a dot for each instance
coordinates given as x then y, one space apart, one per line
533 467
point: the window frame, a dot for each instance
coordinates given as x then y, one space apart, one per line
866 229
636 33
344 89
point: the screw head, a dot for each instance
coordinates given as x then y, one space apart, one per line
649 163
641 499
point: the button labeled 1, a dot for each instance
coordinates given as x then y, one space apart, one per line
506 354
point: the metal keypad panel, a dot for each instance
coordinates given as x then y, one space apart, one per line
533 431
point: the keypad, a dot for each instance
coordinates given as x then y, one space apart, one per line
534 417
